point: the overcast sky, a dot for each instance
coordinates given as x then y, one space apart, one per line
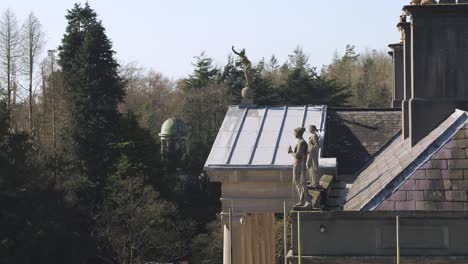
166 34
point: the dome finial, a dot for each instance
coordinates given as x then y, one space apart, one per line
174 135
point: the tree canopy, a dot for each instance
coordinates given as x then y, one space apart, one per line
81 176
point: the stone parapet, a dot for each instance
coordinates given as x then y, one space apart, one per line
369 237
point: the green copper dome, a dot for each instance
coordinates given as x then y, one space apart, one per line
174 127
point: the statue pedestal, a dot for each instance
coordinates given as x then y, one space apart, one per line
318 196
246 101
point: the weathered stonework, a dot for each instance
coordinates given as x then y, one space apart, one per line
441 183
398 74
405 27
398 166
369 237
439 35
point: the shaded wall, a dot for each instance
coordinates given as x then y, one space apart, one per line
354 135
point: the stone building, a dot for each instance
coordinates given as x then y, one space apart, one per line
397 178
174 135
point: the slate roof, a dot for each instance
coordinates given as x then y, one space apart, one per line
392 167
260 136
354 135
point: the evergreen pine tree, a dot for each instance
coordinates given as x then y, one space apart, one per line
94 90
203 73
305 86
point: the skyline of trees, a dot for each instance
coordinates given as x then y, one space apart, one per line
365 76
80 167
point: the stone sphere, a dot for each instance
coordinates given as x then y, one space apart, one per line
248 93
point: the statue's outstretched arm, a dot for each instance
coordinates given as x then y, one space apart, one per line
235 52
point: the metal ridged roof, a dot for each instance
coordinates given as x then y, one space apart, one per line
260 136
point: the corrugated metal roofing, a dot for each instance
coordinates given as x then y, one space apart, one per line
260 136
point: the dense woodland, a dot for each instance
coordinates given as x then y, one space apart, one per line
81 179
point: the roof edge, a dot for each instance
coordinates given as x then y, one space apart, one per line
364 109
247 167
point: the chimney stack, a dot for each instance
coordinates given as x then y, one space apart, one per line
439 66
398 76
405 29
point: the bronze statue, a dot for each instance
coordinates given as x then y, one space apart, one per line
300 168
245 63
312 158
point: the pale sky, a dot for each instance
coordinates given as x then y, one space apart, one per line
165 35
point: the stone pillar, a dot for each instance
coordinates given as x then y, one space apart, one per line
405 27
398 77
226 245
253 240
439 40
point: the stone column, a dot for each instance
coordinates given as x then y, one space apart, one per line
259 239
226 245
439 67
253 240
405 27
398 76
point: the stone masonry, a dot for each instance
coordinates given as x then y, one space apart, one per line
441 184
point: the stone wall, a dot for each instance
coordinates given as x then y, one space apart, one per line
369 237
376 260
441 184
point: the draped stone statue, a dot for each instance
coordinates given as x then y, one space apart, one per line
300 168
312 158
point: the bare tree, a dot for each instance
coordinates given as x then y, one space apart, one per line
14 94
149 94
132 74
9 52
53 94
204 110
32 43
